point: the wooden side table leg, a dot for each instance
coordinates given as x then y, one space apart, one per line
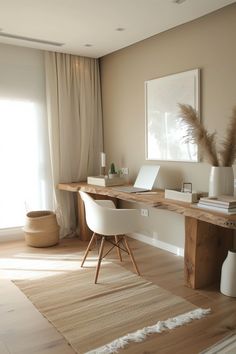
206 247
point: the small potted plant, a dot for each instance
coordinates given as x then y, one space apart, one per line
112 171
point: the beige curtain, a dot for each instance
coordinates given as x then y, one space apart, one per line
75 126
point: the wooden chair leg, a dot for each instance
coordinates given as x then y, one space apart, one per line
88 248
118 249
99 259
131 255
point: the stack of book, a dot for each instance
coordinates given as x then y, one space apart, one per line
223 204
106 182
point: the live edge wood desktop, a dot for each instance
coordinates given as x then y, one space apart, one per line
208 235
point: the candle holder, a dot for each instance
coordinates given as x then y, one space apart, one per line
103 164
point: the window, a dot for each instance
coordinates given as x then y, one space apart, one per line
24 176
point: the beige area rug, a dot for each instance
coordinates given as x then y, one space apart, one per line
90 316
225 346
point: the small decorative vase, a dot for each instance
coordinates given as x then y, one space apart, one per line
228 275
221 181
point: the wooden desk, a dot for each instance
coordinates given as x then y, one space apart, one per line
208 235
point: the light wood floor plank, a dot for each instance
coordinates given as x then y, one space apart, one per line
23 330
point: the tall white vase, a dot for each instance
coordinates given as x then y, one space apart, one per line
221 181
228 275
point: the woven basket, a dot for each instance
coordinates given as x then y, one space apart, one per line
41 229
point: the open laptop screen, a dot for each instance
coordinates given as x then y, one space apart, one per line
144 181
147 176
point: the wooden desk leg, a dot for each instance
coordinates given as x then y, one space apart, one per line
206 247
85 233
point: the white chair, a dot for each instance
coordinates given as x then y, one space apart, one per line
105 220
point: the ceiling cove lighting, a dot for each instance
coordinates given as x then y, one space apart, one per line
29 39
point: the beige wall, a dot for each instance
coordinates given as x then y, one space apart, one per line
207 43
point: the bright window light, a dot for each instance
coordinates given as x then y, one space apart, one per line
22 182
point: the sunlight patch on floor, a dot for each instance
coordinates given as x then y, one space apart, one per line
35 266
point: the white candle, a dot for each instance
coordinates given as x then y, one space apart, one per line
103 159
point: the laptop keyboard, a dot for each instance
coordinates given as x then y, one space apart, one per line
129 189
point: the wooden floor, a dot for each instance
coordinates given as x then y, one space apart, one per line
24 330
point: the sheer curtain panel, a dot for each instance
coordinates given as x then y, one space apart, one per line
25 178
75 126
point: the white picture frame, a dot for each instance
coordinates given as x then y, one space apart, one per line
164 135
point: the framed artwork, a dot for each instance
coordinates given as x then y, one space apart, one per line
163 129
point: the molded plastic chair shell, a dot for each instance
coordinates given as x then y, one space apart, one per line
104 219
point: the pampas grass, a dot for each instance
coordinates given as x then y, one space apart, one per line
196 133
228 152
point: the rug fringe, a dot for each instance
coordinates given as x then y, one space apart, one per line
159 327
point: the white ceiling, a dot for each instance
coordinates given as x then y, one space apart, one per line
79 22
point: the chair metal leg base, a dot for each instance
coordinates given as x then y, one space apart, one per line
101 249
118 248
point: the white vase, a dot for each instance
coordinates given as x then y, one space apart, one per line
221 181
228 275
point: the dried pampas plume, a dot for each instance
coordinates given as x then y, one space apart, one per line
228 152
196 133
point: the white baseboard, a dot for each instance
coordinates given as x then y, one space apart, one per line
159 244
14 234
11 234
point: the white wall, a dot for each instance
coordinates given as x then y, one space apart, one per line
207 43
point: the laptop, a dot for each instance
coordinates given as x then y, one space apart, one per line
144 181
